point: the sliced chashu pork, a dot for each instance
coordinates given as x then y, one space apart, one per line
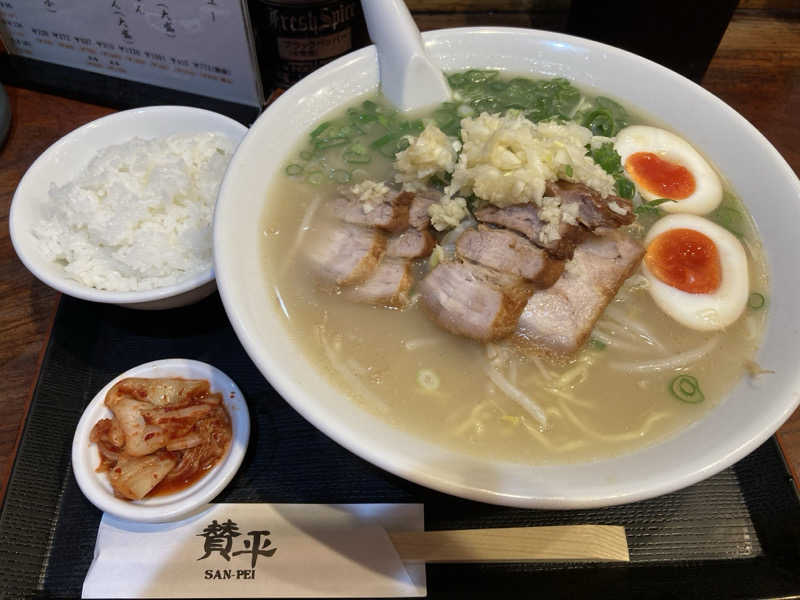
388 285
524 219
482 294
411 243
351 250
390 214
594 211
558 320
507 251
588 210
474 301
418 209
343 253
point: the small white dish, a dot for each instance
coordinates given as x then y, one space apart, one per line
86 457
65 159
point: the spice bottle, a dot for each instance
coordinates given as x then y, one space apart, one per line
295 37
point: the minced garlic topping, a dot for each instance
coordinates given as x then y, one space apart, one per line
429 153
509 160
369 193
553 213
448 212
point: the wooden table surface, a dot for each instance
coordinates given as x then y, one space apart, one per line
756 70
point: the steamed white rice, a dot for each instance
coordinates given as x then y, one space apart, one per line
139 216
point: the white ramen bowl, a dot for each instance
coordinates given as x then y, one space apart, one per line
169 507
64 160
743 420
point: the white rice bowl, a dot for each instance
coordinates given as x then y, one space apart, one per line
175 280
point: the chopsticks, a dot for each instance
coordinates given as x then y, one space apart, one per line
568 543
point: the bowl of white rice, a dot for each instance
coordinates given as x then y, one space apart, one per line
120 210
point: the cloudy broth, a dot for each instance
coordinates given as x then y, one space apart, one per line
610 398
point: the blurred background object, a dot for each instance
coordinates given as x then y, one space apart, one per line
295 37
127 53
682 35
5 116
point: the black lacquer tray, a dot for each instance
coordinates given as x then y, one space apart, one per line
736 535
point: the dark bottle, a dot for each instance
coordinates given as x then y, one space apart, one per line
295 37
682 35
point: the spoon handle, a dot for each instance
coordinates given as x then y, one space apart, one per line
408 77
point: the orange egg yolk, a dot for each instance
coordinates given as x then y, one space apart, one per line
685 259
659 176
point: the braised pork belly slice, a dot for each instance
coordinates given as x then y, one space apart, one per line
524 219
559 320
594 211
388 285
561 224
345 254
390 213
411 243
418 210
507 251
474 301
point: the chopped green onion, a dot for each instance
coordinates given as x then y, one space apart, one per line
453 129
456 80
569 170
659 201
413 127
443 116
597 344
369 106
624 186
476 76
383 140
306 154
294 170
428 380
320 128
315 177
645 209
358 148
356 153
651 207
607 158
387 122
756 301
355 125
340 176
600 122
355 158
686 389
331 143
487 105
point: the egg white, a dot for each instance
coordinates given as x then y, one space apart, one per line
708 187
704 312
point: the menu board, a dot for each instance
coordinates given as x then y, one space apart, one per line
198 46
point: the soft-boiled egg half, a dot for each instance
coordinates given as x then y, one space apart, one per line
697 271
664 165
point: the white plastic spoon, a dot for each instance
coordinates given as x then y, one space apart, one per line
409 79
